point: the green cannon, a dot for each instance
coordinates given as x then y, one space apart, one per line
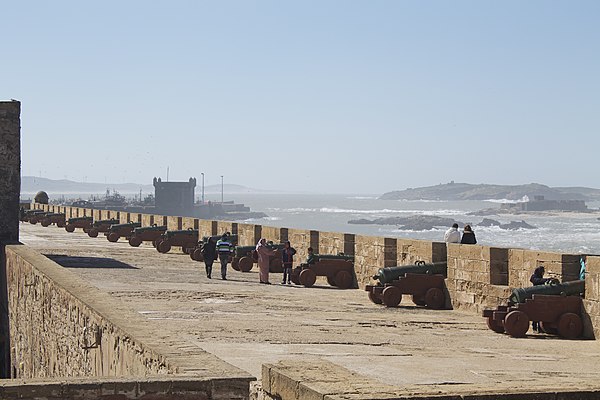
338 269
196 252
423 281
244 257
571 288
121 230
102 225
147 234
84 223
33 216
186 238
387 275
54 218
556 307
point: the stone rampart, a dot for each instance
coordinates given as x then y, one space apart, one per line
479 277
592 297
155 388
60 326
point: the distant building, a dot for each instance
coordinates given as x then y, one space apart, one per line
539 203
174 198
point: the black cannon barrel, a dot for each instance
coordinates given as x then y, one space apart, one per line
150 228
111 221
232 238
389 274
75 219
347 257
127 225
571 288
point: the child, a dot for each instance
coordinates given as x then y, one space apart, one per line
287 255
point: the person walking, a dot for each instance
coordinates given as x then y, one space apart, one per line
287 256
468 236
225 249
452 235
264 254
209 252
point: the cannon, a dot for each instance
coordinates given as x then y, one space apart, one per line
84 223
121 230
244 258
196 252
186 238
556 306
54 218
425 282
147 234
338 269
31 216
102 225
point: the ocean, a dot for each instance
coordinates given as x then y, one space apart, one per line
575 233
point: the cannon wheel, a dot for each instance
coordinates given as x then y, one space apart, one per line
245 264
419 300
392 296
33 220
570 326
516 323
374 298
45 223
234 263
308 277
92 232
494 325
276 265
69 228
164 246
113 237
331 280
135 241
343 280
185 250
60 224
435 298
295 276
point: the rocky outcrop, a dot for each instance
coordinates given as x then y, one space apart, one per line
515 225
411 223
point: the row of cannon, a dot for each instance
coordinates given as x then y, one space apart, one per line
555 306
338 269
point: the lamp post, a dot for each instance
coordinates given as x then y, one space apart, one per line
221 189
202 173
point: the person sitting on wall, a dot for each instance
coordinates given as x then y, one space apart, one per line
452 235
468 236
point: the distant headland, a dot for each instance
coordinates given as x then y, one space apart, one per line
466 191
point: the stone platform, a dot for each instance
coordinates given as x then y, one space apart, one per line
323 331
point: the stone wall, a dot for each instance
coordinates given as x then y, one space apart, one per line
10 170
592 298
10 188
479 277
61 326
474 276
521 264
155 388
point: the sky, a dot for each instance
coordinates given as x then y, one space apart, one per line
318 96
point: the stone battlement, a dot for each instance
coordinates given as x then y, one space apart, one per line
479 277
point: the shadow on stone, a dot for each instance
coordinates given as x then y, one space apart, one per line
88 262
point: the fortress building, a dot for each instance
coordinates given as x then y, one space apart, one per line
174 198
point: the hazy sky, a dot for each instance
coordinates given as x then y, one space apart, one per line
326 96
